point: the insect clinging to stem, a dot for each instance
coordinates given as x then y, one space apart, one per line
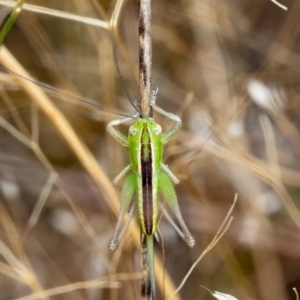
147 176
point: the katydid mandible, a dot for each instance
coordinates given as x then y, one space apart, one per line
147 176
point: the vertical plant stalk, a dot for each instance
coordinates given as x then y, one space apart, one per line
145 65
145 56
146 281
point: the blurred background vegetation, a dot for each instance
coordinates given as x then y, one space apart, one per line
230 69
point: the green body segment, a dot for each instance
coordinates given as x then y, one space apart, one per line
145 151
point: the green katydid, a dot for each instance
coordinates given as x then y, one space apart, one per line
147 176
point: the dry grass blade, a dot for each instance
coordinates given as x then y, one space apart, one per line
279 5
19 136
58 14
84 285
217 237
17 267
296 293
35 215
115 16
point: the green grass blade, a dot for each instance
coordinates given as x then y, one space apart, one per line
11 20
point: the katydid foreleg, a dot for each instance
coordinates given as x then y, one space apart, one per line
170 133
120 137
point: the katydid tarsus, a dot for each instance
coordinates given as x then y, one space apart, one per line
147 176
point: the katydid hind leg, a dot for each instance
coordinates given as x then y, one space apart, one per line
169 218
129 218
168 192
127 193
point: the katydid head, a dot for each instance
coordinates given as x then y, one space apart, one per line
144 125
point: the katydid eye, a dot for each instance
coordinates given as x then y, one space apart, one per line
132 130
157 129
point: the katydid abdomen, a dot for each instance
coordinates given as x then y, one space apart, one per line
146 159
147 197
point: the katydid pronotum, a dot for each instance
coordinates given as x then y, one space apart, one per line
147 176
